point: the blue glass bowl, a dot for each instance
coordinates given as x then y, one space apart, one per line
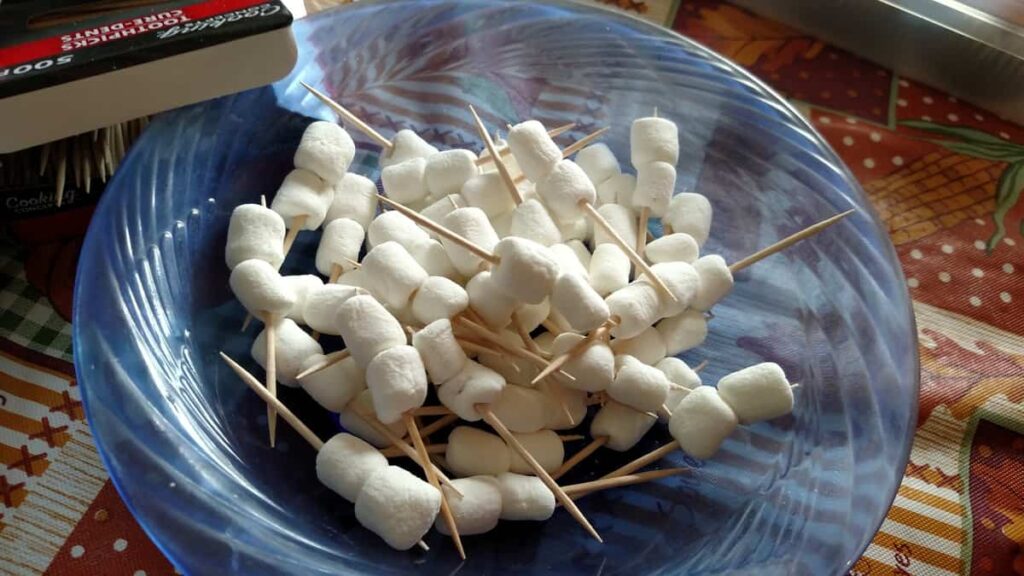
185 441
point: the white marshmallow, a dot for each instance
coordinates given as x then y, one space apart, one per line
367 328
437 298
678 372
622 220
545 447
525 498
440 351
340 242
525 273
647 347
701 422
441 207
691 214
345 463
567 261
475 384
394 273
564 188
575 229
447 171
255 232
760 392
350 420
302 285
322 304
676 247
355 198
405 182
479 508
609 269
260 288
431 255
617 190
326 150
594 368
638 385
623 425
578 302
535 152
653 139
398 507
532 315
393 226
683 331
335 386
509 159
292 346
472 452
473 225
682 281
403 314
531 220
598 162
406 145
303 194
354 278
637 305
503 224
544 340
581 252
521 409
715 281
488 193
655 183
397 381
575 403
489 302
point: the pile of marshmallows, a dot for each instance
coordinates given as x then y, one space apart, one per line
552 268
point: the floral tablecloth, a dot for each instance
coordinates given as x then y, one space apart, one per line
944 175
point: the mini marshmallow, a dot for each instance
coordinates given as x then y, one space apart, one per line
405 182
397 381
335 386
472 452
638 385
367 328
473 225
393 226
489 302
682 281
623 425
488 193
647 347
531 220
431 255
683 331
525 273
521 409
545 447
355 198
653 139
302 285
760 392
609 269
676 247
398 507
622 220
617 190
534 151
715 281
475 384
406 145
260 288
255 232
354 278
326 150
701 422
579 303
394 273
403 314
678 372
304 195
447 171
345 463
350 420
479 508
441 207
440 351
575 229
292 346
567 261
525 497
323 302
575 402
565 188
655 183
503 224
638 306
581 252
594 368
598 163
532 315
437 298
691 214
340 242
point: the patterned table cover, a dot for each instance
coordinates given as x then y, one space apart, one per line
944 175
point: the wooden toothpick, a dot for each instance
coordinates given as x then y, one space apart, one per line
293 232
649 458
439 424
584 488
573 148
440 230
495 339
641 230
270 333
506 176
577 349
350 118
580 456
428 470
788 241
326 362
506 151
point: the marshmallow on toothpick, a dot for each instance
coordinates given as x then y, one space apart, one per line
609 269
715 281
701 422
255 232
474 384
479 508
367 328
546 448
397 381
321 304
301 285
437 298
647 347
292 346
397 506
405 182
621 218
637 307
345 463
355 198
598 163
473 225
759 392
617 190
334 386
557 405
487 192
653 139
525 273
525 497
655 182
340 243
691 214
568 260
622 425
393 226
521 409
261 289
593 368
534 150
406 145
448 171
487 300
394 273
351 419
638 385
472 452
577 301
326 150
676 247
304 198
683 331
530 220
565 188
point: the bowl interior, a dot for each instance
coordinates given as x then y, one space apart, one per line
185 441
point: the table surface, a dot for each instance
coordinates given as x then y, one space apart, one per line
945 176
